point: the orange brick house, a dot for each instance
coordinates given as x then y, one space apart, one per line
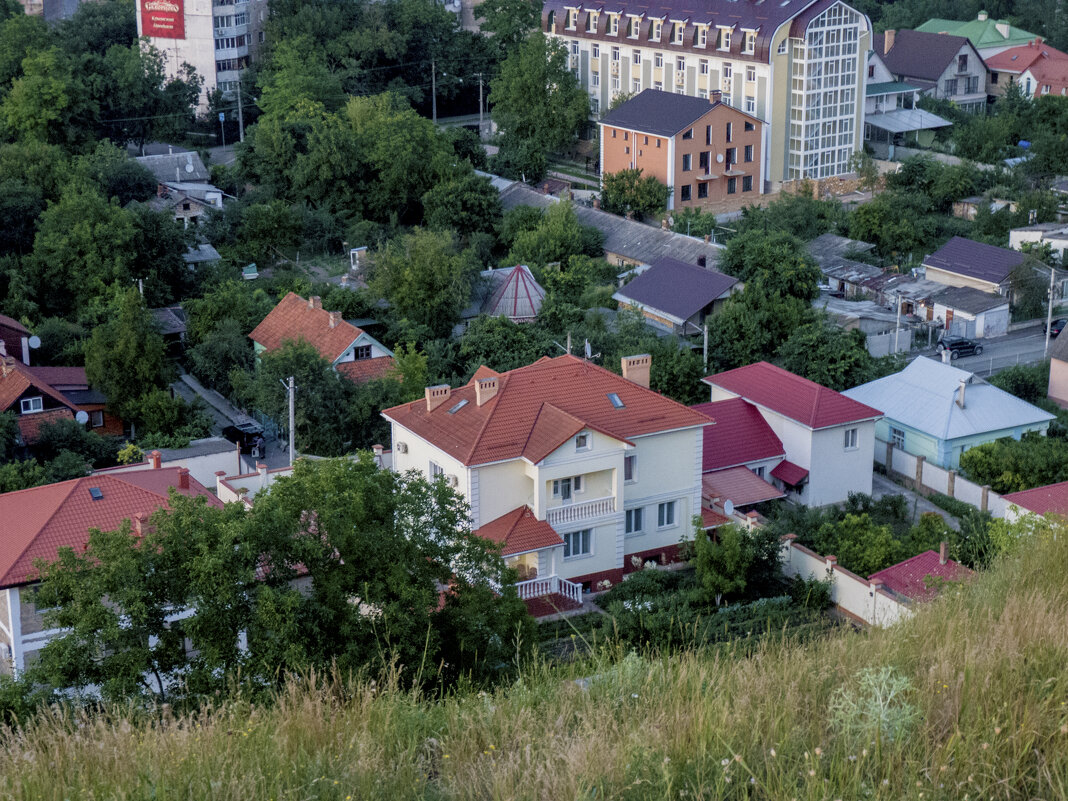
709 153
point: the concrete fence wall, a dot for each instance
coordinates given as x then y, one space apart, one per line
925 476
861 599
883 344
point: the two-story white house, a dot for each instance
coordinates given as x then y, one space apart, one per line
572 468
829 439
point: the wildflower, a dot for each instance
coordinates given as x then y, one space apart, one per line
634 695
864 752
997 730
852 757
886 782
772 752
812 773
819 752
752 779
493 748
1064 729
737 757
666 760
724 762
985 746
446 756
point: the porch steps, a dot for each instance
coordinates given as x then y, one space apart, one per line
551 604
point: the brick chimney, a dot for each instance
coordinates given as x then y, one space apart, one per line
315 302
636 368
138 521
155 458
960 392
261 468
183 478
335 319
437 395
378 450
888 40
485 389
983 16
943 552
715 96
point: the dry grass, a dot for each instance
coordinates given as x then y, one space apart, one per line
987 667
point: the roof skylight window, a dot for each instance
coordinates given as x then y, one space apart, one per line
616 401
458 406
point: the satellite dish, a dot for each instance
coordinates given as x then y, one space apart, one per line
728 507
719 158
82 417
189 166
35 341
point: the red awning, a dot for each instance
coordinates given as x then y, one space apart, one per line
739 485
790 473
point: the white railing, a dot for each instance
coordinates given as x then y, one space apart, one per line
549 585
578 512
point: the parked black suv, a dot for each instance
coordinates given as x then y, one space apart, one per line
1056 327
244 433
959 346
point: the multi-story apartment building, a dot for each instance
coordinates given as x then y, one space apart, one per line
215 37
799 65
709 153
573 469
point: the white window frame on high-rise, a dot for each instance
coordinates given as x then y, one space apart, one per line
595 80
656 29
824 94
658 60
636 57
591 21
636 85
571 20
615 54
595 50
702 36
750 74
724 38
613 25
749 45
703 66
680 63
678 31
634 24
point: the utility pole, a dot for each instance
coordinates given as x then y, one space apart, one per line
897 325
240 115
222 126
434 91
706 346
292 390
480 105
1049 310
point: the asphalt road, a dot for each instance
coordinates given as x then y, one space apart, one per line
1019 347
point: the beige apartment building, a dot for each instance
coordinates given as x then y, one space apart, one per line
799 65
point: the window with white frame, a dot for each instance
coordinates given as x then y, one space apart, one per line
636 57
564 488
759 471
615 83
750 105
595 79
630 467
897 438
613 24
578 543
680 63
572 19
595 105
583 441
574 47
436 470
782 47
750 74
702 37
724 38
30 405
595 50
658 60
632 27
591 22
659 86
665 514
850 439
703 66
635 520
677 33
96 418
656 27
615 54
636 85
750 42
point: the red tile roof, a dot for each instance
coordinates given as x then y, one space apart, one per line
1018 59
711 519
908 578
520 531
16 378
789 473
295 318
1052 498
739 485
61 378
537 408
363 370
792 396
39 521
740 436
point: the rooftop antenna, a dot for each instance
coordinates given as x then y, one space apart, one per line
566 350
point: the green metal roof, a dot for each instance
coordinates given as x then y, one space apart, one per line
889 88
982 33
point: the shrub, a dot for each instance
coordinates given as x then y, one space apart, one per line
876 706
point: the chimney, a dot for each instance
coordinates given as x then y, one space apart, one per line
3 349
485 389
888 40
183 478
6 364
377 450
1002 28
437 395
983 16
155 458
636 368
261 468
335 319
715 96
960 392
26 350
138 521
943 552
947 356
315 302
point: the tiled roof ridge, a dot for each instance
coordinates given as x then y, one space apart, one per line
502 385
36 381
74 482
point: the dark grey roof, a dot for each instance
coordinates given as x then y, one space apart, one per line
975 259
201 253
834 246
198 447
171 167
677 288
633 240
80 397
169 319
657 112
921 55
969 300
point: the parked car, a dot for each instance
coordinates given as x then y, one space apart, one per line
959 346
245 434
1056 327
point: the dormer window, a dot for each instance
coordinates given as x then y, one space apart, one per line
632 27
701 40
591 22
656 28
613 24
571 19
31 405
724 38
750 42
583 442
677 32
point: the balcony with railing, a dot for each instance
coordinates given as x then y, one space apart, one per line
548 586
570 514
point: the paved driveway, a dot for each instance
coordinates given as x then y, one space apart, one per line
881 486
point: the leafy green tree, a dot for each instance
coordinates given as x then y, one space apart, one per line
537 102
240 301
22 474
822 352
20 36
866 169
46 103
1029 383
115 174
1010 465
776 262
465 205
694 222
298 70
20 206
71 436
96 27
510 21
425 279
799 214
626 192
322 400
557 237
502 345
9 433
226 348
722 562
860 544
125 356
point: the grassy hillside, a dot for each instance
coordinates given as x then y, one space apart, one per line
973 704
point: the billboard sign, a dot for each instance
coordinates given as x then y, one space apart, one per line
163 19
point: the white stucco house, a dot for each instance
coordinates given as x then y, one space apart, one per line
828 439
573 469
